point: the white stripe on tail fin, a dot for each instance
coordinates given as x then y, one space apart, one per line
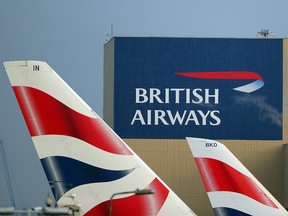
231 188
84 160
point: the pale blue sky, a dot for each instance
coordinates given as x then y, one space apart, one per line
70 36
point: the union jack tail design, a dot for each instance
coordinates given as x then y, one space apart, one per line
231 188
84 160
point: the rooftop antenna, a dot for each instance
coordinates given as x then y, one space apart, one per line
265 33
111 35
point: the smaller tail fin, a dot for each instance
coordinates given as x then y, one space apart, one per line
231 188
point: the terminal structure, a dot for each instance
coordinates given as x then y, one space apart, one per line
157 91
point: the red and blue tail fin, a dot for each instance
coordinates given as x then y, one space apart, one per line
231 188
84 160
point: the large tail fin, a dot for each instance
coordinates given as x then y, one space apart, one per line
84 160
231 188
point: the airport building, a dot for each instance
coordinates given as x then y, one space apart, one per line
157 91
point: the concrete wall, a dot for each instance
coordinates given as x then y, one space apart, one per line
108 111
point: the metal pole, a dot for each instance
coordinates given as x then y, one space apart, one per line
136 192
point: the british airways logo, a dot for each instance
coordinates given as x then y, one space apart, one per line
230 75
186 106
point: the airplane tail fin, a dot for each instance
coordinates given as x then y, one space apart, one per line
85 162
231 188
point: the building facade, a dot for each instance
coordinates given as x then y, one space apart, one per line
157 91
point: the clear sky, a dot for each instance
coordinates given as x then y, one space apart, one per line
70 36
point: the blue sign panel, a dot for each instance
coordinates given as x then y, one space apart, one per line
172 88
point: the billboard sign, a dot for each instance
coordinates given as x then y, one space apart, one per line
171 88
